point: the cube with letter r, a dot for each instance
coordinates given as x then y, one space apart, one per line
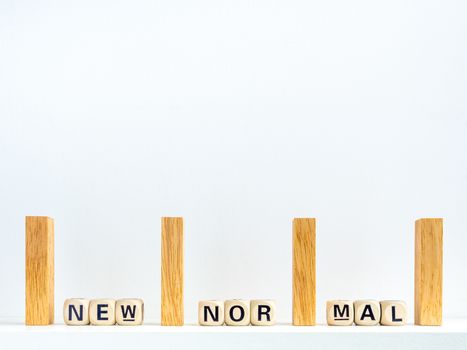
263 312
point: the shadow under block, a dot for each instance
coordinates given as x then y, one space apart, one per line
76 312
304 272
102 312
339 312
393 313
211 313
263 312
129 312
172 271
39 270
237 312
428 272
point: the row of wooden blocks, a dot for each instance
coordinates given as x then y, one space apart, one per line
366 312
427 284
237 312
103 312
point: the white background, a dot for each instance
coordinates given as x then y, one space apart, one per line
238 115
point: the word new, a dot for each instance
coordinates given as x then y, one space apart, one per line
103 312
366 312
237 312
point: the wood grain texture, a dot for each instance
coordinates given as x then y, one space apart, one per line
304 272
428 272
172 272
39 270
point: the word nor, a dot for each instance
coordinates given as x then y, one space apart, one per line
237 312
103 312
366 312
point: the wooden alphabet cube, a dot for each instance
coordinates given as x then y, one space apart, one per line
237 312
393 312
76 312
263 312
102 312
367 312
211 313
129 312
339 312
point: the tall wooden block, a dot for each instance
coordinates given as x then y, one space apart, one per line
172 272
304 272
39 270
428 272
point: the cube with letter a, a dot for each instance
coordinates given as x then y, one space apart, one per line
367 312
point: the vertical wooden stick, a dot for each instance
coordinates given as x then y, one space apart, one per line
39 270
304 272
172 272
428 272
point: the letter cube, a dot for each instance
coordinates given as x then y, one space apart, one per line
367 312
263 312
211 313
76 312
129 312
393 313
102 312
237 312
339 312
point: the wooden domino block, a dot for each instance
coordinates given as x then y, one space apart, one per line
211 313
102 312
393 312
428 272
367 312
76 312
304 272
172 272
263 312
339 312
39 270
129 312
237 312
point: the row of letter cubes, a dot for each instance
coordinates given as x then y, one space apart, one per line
103 312
366 312
237 312
107 312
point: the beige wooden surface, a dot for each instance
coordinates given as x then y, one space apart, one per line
39 270
428 272
304 272
172 272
